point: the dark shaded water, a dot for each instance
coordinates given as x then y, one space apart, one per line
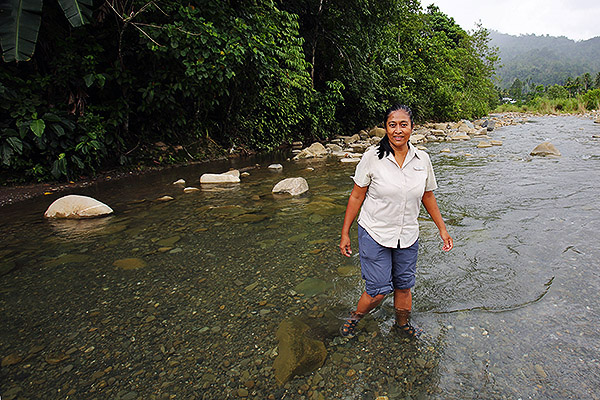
511 312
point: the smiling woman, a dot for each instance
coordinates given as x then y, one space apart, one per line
388 189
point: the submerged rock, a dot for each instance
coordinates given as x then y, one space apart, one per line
298 354
74 207
312 286
130 263
277 167
293 186
545 149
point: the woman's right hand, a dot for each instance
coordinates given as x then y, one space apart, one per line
345 245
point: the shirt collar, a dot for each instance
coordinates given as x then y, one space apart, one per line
412 152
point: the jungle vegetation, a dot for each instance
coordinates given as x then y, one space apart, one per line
88 85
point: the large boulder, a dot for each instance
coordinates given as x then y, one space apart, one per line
75 207
377 132
417 138
545 149
314 150
232 176
293 186
298 353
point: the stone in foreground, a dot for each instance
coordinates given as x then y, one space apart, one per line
298 354
545 149
76 207
226 177
293 186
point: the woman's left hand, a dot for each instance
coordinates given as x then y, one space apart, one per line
448 243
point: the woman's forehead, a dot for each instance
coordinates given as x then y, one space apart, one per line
399 115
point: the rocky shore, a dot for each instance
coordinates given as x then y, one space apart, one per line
347 148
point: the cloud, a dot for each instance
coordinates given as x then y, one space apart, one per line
575 19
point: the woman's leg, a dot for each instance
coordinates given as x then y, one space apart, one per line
402 305
366 303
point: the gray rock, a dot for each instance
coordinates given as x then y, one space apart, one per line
545 149
333 147
75 207
491 125
276 167
298 353
314 150
293 186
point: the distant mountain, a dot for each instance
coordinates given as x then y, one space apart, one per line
544 60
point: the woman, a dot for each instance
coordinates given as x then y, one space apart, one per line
390 182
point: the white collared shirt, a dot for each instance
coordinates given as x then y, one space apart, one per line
393 200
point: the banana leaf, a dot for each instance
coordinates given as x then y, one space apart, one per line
19 26
20 23
78 12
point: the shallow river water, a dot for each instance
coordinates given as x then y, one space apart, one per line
512 312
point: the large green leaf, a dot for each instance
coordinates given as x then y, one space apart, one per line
19 26
77 11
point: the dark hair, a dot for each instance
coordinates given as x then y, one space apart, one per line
385 148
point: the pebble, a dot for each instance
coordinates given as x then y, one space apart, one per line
539 370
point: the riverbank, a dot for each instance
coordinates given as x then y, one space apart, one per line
15 193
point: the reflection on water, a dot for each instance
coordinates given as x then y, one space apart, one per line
511 312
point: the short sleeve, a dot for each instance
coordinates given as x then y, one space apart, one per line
362 174
430 183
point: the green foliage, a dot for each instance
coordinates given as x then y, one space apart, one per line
556 92
592 99
544 60
243 74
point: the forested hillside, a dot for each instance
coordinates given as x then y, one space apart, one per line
93 84
544 60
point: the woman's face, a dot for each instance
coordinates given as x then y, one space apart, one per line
398 128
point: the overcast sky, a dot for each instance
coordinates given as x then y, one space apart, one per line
575 19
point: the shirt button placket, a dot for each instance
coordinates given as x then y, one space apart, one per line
402 207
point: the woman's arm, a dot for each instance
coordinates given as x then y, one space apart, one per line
432 208
354 202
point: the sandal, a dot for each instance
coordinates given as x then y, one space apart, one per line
348 329
407 330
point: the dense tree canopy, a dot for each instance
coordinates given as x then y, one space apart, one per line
242 74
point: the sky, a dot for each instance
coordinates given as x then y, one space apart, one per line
575 19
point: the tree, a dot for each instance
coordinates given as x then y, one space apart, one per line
20 22
516 89
586 81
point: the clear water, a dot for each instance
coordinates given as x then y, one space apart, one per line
511 312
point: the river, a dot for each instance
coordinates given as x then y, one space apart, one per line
511 312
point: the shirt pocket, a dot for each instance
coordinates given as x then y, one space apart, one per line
416 178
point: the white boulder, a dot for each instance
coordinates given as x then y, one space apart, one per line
293 186
74 206
232 176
